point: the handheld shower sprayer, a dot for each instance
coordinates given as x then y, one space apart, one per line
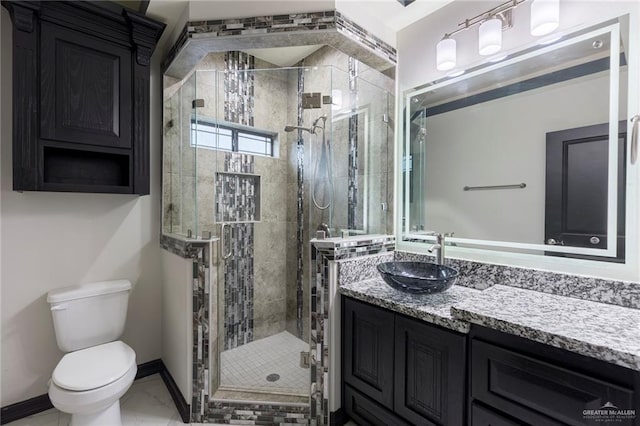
323 117
312 129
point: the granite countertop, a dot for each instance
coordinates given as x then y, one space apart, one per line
598 330
433 308
607 332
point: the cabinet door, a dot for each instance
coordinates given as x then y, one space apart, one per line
368 350
430 373
367 412
85 89
538 392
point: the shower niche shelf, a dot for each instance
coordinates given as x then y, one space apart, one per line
238 198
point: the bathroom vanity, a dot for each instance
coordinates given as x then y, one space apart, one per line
498 356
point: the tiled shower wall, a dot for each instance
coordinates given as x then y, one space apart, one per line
373 97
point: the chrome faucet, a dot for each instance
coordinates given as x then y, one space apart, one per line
324 228
438 247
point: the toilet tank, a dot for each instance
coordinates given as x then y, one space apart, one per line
89 314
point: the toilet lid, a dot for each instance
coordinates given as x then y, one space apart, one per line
94 367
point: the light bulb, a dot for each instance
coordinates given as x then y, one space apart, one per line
446 54
490 36
545 16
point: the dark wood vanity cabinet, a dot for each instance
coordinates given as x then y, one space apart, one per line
515 381
81 82
397 370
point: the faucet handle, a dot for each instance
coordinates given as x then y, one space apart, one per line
448 234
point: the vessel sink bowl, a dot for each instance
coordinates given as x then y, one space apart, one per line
418 277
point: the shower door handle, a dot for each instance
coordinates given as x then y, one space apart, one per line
634 138
223 241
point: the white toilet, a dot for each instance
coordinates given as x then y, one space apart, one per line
97 369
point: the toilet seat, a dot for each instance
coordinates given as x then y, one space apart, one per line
93 367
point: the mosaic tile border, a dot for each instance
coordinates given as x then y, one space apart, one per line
352 182
181 246
323 252
359 34
238 269
301 23
300 211
239 88
201 355
246 413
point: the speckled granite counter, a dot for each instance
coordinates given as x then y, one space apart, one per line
598 330
432 308
606 332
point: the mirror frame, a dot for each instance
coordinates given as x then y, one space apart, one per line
501 251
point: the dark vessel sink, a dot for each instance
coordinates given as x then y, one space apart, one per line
418 277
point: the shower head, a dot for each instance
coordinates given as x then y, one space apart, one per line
292 128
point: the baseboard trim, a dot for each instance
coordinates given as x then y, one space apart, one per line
148 368
181 404
40 403
338 417
24 409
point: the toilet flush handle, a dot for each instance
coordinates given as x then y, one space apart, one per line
60 307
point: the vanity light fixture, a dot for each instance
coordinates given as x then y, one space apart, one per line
490 36
446 54
545 18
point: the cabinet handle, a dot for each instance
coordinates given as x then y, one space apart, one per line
634 138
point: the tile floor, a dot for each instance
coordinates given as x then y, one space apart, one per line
146 403
247 366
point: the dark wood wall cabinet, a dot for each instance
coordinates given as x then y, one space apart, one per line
398 370
81 96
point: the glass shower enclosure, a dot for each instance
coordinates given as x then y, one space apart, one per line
263 159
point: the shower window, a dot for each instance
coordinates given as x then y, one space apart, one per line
229 137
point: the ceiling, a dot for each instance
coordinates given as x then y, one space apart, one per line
389 13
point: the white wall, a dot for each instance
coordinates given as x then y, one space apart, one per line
51 240
481 153
177 321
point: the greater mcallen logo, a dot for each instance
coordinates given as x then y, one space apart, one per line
609 412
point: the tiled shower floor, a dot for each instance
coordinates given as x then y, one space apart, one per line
247 367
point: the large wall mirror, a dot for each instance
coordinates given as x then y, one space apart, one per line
528 155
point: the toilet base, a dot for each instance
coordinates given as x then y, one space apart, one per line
108 417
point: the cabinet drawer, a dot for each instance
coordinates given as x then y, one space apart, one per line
368 350
538 392
367 412
481 416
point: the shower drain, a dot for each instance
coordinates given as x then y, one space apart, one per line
273 377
